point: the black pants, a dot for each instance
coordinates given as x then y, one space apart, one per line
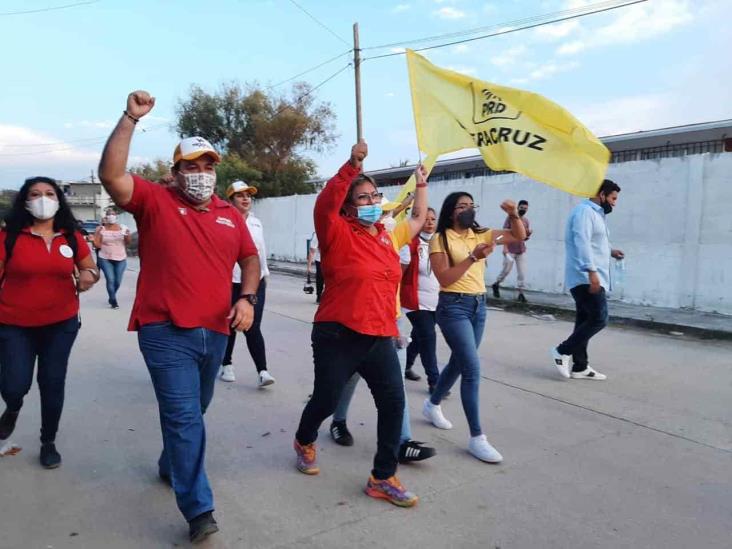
591 318
424 343
338 352
319 282
254 337
19 348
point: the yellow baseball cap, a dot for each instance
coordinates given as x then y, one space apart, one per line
193 147
240 187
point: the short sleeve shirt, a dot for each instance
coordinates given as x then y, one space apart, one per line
460 247
39 288
186 258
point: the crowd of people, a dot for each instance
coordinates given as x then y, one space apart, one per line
386 282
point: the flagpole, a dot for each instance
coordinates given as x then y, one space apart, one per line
357 71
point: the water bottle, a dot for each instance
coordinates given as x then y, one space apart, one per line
619 273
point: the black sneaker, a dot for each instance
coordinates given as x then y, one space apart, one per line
340 433
50 458
521 298
411 375
413 450
496 292
201 527
7 423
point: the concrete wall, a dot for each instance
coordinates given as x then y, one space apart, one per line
673 221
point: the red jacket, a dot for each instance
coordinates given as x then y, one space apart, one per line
408 293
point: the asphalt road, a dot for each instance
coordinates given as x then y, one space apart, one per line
643 459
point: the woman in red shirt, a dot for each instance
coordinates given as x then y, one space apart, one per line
40 250
356 321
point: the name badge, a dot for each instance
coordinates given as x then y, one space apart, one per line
66 251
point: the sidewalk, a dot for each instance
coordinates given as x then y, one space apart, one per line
675 321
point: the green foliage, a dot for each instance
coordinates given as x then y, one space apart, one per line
261 131
7 197
152 171
233 168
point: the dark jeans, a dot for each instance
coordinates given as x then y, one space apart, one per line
424 343
462 320
19 348
183 363
591 318
338 352
319 281
113 272
254 337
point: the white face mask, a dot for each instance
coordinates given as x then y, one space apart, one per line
111 219
389 224
42 207
199 187
426 236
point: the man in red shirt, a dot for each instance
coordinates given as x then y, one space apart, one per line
189 242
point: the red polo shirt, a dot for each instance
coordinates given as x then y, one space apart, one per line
186 258
361 270
39 287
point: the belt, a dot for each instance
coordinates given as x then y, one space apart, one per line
460 294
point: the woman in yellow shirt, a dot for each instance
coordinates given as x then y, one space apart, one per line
457 255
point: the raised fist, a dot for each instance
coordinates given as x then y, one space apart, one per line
358 152
421 175
509 206
139 103
483 250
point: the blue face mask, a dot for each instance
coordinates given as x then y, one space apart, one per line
369 214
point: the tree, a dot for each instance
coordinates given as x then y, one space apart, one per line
152 171
7 197
265 132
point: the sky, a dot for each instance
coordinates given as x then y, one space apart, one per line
66 73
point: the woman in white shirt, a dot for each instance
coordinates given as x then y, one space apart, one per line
240 194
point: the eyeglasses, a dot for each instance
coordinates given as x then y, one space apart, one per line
374 197
461 207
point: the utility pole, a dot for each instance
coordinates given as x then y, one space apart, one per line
357 71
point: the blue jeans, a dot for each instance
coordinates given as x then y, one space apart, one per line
461 318
113 272
591 317
19 348
183 363
341 411
424 343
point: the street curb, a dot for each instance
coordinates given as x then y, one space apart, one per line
568 314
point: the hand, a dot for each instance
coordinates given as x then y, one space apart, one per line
483 250
509 206
358 153
594 283
86 281
617 254
421 175
241 315
139 103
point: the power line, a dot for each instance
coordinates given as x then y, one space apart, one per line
311 90
53 8
310 69
511 30
311 16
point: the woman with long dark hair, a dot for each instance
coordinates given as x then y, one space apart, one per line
44 262
457 255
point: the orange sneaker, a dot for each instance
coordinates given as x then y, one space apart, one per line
306 458
392 491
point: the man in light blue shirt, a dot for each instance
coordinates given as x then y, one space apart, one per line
587 275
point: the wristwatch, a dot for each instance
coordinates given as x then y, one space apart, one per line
251 298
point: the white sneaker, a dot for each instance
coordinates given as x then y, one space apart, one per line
588 373
227 373
433 414
482 449
265 378
561 362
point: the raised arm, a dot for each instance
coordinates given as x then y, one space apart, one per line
419 209
517 232
113 165
330 200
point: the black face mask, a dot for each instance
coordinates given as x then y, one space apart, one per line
606 207
522 213
466 218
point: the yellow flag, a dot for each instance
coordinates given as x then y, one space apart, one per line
514 130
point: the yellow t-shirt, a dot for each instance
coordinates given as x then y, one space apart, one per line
399 239
473 281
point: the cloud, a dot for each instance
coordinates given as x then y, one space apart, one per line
399 8
544 71
102 124
462 69
629 114
557 30
633 24
461 48
397 50
389 94
509 56
448 12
